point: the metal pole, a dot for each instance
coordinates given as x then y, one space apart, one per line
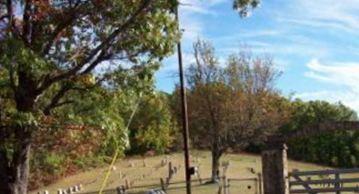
184 113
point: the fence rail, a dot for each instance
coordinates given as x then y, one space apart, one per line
324 181
223 186
324 172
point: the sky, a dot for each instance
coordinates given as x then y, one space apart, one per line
315 43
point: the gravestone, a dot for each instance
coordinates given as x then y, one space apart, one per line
127 185
121 190
80 187
132 164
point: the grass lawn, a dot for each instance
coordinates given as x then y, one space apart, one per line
240 167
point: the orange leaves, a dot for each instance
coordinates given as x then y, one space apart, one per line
69 142
41 9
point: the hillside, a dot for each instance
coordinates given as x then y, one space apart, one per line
150 173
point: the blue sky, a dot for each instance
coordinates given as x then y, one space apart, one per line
314 42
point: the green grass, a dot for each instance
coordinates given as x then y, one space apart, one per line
150 175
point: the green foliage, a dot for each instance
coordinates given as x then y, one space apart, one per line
52 162
339 149
318 111
152 127
244 6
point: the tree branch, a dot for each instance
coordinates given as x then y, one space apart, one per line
48 81
60 104
4 16
99 59
10 11
55 100
26 21
74 14
106 43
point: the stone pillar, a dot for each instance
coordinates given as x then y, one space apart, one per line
275 169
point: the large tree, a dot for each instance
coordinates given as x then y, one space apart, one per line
53 49
232 104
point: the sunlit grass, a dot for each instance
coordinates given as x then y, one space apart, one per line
240 167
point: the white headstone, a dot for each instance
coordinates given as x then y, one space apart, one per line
76 187
132 164
144 163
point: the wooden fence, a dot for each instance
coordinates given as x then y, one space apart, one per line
324 181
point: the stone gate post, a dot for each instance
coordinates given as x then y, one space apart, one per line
275 169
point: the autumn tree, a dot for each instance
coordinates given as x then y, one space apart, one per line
232 104
54 49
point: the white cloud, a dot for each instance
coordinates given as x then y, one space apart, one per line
342 15
253 33
192 25
190 12
192 29
343 75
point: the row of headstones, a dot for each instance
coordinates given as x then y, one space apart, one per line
172 171
132 164
130 183
70 190
164 162
122 190
78 188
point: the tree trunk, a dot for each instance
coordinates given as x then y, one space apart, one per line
14 175
216 155
14 165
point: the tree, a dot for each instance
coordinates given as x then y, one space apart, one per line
234 104
55 49
339 148
152 127
88 131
